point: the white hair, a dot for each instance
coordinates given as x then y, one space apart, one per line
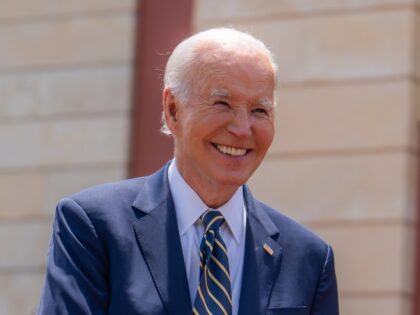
179 68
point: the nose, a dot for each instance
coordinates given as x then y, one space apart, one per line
240 124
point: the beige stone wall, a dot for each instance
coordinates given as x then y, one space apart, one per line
65 80
345 155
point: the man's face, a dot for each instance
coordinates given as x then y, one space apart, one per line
226 126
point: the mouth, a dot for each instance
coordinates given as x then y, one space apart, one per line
228 150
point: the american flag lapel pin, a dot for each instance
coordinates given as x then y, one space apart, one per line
268 249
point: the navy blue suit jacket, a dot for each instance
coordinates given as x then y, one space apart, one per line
116 249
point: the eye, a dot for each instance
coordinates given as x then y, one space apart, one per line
260 111
222 104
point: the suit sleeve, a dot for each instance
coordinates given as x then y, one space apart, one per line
76 280
326 298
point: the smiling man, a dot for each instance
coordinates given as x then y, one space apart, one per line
191 239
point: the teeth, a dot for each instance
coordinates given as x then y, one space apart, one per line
230 150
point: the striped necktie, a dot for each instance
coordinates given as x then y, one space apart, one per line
214 293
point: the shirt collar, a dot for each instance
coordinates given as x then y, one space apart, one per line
189 206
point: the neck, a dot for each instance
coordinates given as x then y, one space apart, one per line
216 196
213 194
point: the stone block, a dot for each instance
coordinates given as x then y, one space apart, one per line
339 187
338 47
21 144
417 43
32 194
20 293
65 142
417 103
337 117
70 40
385 304
219 10
72 91
23 244
21 194
61 183
10 9
102 140
372 257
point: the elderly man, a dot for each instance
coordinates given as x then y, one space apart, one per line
191 239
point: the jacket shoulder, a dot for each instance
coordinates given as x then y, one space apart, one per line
293 233
109 192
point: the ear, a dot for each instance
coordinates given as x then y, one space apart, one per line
170 111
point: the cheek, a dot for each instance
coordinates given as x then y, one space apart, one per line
213 124
266 135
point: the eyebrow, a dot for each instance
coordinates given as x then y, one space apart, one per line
266 102
220 93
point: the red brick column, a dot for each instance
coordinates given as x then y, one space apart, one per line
161 24
416 301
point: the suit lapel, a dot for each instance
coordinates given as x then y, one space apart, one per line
158 237
261 265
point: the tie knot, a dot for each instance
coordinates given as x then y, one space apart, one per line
212 220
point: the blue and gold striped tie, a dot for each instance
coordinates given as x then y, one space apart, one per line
214 293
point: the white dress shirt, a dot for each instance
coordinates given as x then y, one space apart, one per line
189 207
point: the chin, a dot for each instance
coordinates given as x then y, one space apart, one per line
233 180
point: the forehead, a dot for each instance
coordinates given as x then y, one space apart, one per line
218 72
